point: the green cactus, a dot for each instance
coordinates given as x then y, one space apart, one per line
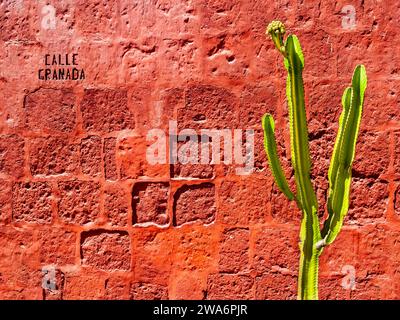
312 238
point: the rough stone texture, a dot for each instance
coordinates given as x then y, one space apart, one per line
97 17
229 287
260 158
5 201
321 148
374 252
15 21
324 104
208 107
32 202
50 110
371 208
84 285
255 101
234 253
188 285
12 155
133 153
283 210
199 171
196 250
150 203
383 99
344 253
110 167
77 189
276 286
20 274
90 151
53 156
275 248
116 205
117 288
79 201
397 201
189 158
375 146
242 202
397 156
57 246
106 250
106 111
330 288
194 203
153 256
148 291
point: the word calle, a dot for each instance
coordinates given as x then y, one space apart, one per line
61 67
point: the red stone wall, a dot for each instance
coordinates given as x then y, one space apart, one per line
82 209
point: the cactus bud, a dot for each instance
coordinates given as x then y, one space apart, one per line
276 30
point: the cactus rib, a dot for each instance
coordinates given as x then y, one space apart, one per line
268 125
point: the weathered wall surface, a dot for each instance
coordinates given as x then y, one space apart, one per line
80 204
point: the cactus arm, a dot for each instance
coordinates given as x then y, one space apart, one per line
343 155
309 232
346 101
334 164
359 84
268 125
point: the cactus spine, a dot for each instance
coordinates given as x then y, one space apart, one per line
312 238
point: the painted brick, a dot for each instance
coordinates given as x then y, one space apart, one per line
228 287
194 203
276 286
53 156
110 166
106 250
208 107
50 110
12 155
79 201
234 252
32 202
57 246
106 110
116 204
90 152
150 201
148 291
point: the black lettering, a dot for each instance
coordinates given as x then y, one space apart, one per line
61 74
75 74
